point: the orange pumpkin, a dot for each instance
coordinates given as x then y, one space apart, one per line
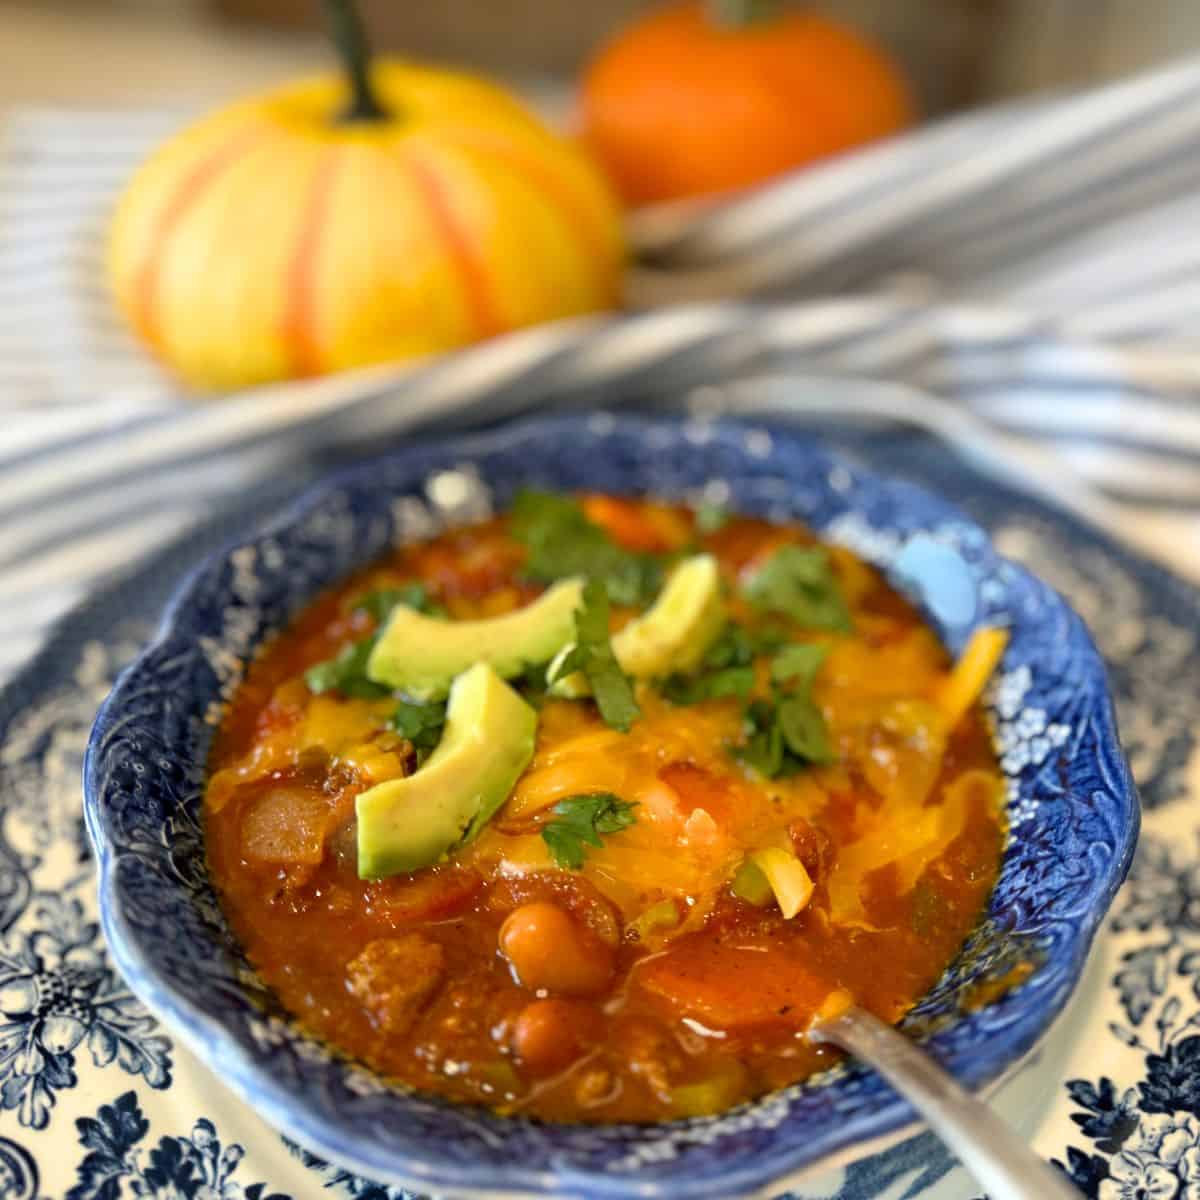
284 236
698 98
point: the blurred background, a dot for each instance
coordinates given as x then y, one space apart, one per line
956 52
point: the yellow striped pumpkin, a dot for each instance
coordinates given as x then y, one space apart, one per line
273 240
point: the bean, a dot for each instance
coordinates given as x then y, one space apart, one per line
547 949
550 1034
572 892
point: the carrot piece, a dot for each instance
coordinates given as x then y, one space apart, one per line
624 521
965 683
733 987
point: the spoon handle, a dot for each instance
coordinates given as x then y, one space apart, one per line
1001 1162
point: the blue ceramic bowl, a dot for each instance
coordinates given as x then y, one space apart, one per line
1072 809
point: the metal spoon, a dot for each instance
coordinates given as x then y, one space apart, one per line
1001 1162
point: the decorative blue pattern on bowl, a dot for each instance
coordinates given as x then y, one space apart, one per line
1071 803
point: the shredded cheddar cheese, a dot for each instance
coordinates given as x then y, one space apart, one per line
971 673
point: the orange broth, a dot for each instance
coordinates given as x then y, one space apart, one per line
702 998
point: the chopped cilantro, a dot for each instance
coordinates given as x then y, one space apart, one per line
715 685
798 664
734 648
802 725
798 582
727 669
346 673
737 646
800 721
563 542
763 747
593 655
578 823
711 517
787 732
421 725
380 602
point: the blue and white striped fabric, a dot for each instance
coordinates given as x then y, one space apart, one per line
1027 280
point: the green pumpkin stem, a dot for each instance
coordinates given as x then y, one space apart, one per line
350 38
737 14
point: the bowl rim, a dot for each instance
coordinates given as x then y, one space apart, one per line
208 1037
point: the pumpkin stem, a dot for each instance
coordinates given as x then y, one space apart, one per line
737 14
350 38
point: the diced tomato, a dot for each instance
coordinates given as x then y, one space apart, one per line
429 895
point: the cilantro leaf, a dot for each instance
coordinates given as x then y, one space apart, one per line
786 733
802 727
763 747
563 542
727 669
346 673
798 582
734 648
421 725
380 602
798 664
578 823
593 655
715 685
737 647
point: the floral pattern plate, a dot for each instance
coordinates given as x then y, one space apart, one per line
96 1103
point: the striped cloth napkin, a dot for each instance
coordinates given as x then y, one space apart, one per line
1022 281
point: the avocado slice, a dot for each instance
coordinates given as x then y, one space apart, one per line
420 655
406 824
672 635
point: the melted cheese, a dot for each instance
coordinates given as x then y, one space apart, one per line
697 807
347 733
885 699
699 811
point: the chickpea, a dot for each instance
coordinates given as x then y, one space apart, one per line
550 1034
547 949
